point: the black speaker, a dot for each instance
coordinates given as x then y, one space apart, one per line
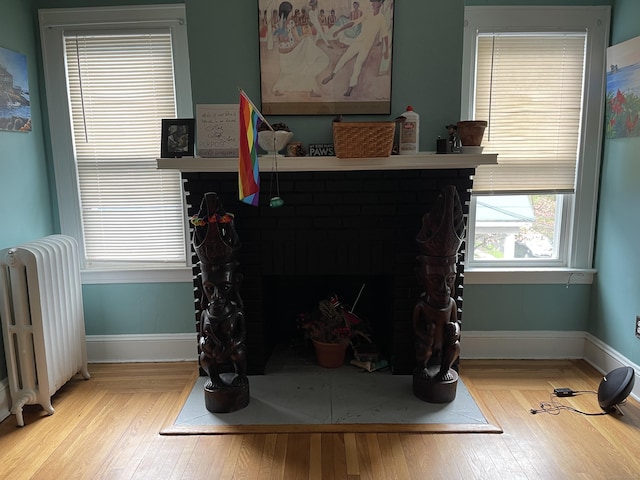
615 387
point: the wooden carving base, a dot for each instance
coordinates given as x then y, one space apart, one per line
233 396
427 389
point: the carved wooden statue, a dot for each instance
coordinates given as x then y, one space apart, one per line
435 320
222 325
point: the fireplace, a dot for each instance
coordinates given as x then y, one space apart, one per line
344 223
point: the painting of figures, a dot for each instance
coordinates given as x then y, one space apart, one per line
15 107
321 57
623 89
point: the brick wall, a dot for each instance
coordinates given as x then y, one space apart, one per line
359 225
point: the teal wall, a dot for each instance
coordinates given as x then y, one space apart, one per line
125 309
28 204
526 307
616 292
25 195
426 74
427 66
426 58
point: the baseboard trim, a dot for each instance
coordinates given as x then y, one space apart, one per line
604 359
170 347
476 345
524 345
536 344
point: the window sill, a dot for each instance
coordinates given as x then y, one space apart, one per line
475 276
508 276
148 275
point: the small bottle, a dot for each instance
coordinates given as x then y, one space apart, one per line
409 132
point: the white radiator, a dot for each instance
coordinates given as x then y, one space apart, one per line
42 320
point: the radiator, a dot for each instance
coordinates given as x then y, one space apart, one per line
42 320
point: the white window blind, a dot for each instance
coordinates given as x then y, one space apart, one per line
529 87
120 87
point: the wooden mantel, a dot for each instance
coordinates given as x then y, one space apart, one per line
421 161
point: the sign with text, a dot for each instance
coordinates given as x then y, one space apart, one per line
321 150
217 130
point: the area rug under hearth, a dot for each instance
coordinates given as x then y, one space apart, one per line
309 398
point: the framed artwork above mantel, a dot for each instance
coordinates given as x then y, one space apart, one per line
325 57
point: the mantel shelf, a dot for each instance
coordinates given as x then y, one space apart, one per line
421 161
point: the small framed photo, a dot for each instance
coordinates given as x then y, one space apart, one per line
177 138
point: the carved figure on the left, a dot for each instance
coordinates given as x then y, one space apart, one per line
223 354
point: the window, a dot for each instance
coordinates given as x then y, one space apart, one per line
112 75
536 74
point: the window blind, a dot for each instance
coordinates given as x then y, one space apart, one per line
529 88
120 87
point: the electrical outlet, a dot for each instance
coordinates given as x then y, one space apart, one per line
638 326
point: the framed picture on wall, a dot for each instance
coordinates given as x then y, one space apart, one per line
15 105
623 89
177 138
323 57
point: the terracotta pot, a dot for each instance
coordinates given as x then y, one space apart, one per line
330 355
471 132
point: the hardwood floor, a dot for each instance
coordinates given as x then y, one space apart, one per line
107 427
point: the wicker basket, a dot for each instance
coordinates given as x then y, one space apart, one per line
363 139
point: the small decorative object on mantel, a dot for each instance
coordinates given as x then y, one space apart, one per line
453 141
217 130
321 150
435 316
178 137
296 149
470 133
409 137
363 139
222 324
274 141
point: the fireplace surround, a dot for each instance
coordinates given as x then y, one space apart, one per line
344 222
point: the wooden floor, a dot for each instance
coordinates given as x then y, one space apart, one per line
107 427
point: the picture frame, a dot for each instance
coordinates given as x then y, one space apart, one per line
15 103
325 57
623 84
177 139
217 130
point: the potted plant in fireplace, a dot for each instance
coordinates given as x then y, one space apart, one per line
331 329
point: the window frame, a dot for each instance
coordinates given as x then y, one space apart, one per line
53 24
577 242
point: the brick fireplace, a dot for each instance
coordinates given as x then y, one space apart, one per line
344 223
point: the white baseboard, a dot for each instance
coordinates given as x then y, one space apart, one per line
604 359
523 345
537 344
475 345
171 347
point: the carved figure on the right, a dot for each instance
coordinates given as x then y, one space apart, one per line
435 318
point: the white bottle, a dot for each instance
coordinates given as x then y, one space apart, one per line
409 132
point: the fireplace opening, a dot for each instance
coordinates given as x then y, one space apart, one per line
337 230
286 296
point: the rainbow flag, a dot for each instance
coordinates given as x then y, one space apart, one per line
248 172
